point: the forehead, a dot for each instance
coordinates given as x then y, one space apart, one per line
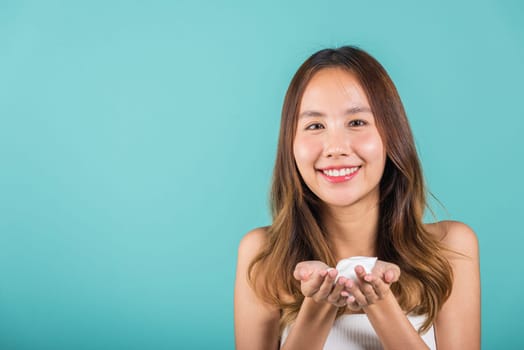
331 88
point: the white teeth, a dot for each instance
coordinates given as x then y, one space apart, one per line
340 172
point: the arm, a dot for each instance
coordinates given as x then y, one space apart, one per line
458 322
392 326
318 312
319 308
373 295
312 326
256 322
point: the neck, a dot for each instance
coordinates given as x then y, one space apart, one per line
352 231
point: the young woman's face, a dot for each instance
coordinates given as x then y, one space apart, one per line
337 147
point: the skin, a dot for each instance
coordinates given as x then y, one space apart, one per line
327 135
336 128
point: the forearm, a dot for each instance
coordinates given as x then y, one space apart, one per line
312 326
392 326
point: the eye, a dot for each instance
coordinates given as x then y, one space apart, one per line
357 122
314 126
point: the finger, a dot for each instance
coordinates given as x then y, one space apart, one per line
352 304
360 272
354 288
297 273
305 274
391 276
351 301
334 297
381 288
317 278
304 270
367 289
302 274
313 284
345 294
369 293
326 286
341 302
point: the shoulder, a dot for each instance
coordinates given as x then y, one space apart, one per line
256 321
458 321
251 244
253 241
455 236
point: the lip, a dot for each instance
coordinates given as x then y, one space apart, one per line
339 179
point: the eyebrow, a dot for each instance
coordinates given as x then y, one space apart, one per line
349 111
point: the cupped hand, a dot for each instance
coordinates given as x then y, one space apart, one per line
317 281
370 287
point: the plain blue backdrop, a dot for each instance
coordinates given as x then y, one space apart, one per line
137 140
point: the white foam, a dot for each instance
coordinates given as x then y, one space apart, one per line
346 267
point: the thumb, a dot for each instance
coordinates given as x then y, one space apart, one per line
391 276
299 273
304 274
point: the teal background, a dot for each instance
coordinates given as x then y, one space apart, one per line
137 141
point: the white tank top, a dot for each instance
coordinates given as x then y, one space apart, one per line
354 331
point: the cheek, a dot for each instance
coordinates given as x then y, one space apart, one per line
304 150
371 146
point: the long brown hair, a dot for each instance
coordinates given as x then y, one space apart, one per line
297 232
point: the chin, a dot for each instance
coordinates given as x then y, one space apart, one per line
339 202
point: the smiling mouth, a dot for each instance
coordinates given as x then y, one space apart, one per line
343 172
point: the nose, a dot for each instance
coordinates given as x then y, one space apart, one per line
337 144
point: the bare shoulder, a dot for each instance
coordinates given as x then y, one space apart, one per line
256 321
253 241
456 236
249 247
458 321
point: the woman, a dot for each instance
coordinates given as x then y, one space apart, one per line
348 182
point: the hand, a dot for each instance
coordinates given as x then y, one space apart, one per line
372 287
317 281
